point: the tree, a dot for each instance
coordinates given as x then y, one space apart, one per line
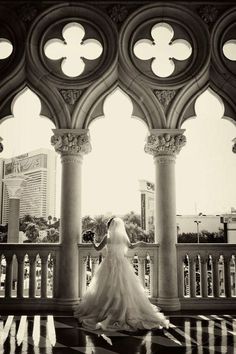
99 226
135 232
52 236
87 223
3 237
32 233
132 218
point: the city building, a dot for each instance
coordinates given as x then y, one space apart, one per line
186 223
39 194
147 204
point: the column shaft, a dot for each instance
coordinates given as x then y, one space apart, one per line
13 221
165 226
70 225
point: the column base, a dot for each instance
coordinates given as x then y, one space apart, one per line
67 305
169 304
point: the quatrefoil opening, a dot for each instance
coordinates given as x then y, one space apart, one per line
162 50
73 50
229 49
6 48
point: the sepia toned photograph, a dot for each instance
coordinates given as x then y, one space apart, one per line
117 177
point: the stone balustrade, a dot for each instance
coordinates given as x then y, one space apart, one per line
28 275
143 259
206 275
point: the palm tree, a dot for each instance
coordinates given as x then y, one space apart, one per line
100 226
132 218
87 223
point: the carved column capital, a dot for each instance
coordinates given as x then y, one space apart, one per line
15 185
165 143
71 141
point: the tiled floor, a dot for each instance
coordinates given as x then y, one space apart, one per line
53 334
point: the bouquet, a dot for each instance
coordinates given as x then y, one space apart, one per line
88 236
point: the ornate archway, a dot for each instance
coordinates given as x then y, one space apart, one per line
163 100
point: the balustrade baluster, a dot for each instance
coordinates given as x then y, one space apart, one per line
215 264
20 276
84 275
192 272
227 279
181 279
141 270
94 261
151 277
9 275
204 284
32 275
54 276
44 275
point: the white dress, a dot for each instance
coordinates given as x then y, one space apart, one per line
115 298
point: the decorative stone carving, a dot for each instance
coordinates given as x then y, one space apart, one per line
16 166
208 13
165 144
162 50
165 96
118 13
71 95
71 143
15 185
71 53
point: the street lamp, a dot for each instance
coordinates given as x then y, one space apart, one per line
197 222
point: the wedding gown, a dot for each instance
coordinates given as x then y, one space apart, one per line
115 298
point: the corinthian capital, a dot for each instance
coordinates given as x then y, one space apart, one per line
15 186
69 141
165 142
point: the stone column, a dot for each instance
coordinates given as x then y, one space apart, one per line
15 185
164 144
72 144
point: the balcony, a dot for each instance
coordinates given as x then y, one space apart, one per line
206 274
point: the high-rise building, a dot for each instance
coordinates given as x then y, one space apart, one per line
147 190
39 195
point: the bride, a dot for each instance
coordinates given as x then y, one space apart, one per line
115 298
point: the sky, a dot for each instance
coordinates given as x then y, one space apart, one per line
205 167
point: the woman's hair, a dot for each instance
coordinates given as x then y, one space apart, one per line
109 221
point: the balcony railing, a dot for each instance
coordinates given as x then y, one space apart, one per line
207 275
28 275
